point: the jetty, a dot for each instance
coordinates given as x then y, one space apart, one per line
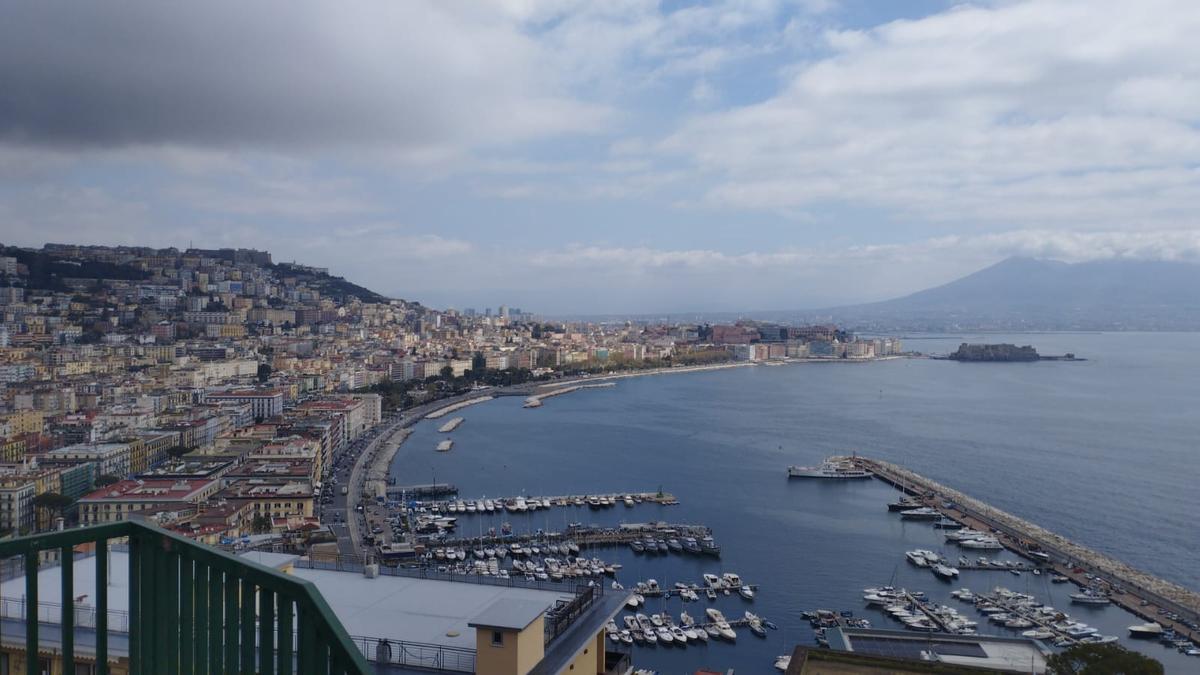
451 425
1136 591
442 412
535 401
445 445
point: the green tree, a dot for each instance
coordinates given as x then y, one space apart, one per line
264 372
447 372
1105 659
55 503
260 524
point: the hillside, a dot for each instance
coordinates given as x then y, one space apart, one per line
1029 294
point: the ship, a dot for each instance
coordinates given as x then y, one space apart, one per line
836 469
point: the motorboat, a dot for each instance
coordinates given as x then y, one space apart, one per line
923 513
731 580
723 627
982 543
1146 630
746 592
713 581
690 545
1038 634
678 634
637 546
664 635
1090 598
945 572
917 558
756 625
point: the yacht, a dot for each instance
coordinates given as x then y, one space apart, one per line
690 545
679 635
756 625
1146 630
713 581
731 580
1089 598
782 662
837 469
664 635
917 558
746 592
905 503
923 513
982 543
945 572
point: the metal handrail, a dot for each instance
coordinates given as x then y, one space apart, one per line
192 608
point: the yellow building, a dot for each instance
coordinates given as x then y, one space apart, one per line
25 422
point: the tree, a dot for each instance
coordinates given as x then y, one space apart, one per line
447 372
53 502
1102 659
264 372
260 524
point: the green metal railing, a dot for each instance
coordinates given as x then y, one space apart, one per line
192 609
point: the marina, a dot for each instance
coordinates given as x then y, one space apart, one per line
1167 605
524 503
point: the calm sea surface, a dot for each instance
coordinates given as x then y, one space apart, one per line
1102 451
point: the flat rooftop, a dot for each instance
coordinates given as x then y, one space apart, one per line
980 651
416 610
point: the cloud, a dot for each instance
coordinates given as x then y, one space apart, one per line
413 77
1056 113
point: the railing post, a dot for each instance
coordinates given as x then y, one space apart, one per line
266 632
200 651
67 622
101 622
285 636
247 662
231 623
135 606
31 609
216 620
187 635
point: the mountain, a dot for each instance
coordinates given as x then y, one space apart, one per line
1032 294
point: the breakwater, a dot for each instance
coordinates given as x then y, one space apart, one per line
441 412
535 401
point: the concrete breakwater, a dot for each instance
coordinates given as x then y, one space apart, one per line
1137 591
451 425
441 412
535 401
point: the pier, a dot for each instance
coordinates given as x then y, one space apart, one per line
586 536
1137 592
537 503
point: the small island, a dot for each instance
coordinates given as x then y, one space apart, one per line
1004 353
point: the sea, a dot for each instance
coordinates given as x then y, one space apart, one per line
1102 451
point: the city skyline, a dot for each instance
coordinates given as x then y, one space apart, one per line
617 158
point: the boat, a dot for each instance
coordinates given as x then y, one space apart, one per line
904 504
1090 598
674 545
947 524
782 662
713 581
710 593
709 547
1038 634
945 572
664 635
1146 630
982 543
756 625
723 627
690 545
746 592
678 634
835 469
637 546
731 580
917 558
923 513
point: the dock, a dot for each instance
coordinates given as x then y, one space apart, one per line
537 503
1134 590
587 535
451 425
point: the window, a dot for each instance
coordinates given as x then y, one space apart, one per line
497 638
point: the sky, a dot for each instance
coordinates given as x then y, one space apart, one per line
580 157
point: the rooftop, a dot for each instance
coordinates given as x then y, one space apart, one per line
979 651
150 490
417 610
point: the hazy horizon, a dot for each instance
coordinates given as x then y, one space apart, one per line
612 158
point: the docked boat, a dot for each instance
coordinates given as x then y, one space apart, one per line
945 572
637 546
746 592
905 503
709 547
835 469
922 513
782 662
722 626
1146 630
982 543
1090 598
947 524
756 625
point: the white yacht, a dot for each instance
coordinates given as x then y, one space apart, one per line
837 469
722 626
1089 598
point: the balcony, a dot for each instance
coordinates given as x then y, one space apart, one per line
191 609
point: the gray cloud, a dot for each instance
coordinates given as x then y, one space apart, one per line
411 76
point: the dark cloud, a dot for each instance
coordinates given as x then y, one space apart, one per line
405 75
